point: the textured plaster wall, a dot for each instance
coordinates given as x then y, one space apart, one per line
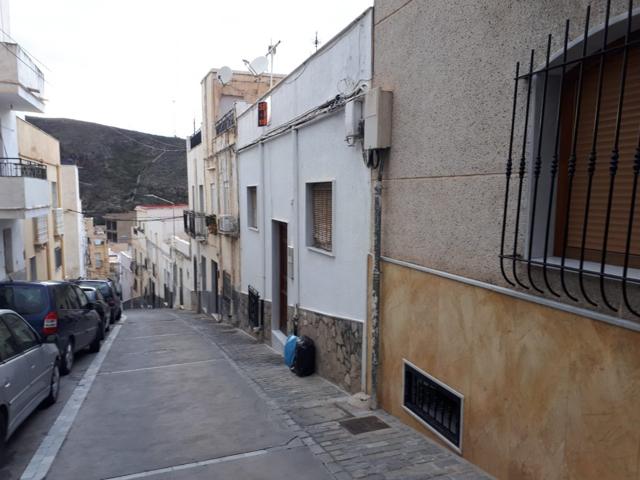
547 394
450 65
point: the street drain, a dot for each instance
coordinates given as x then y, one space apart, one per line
359 425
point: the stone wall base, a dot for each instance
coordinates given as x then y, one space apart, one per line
338 341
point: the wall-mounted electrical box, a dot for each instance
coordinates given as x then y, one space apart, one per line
377 118
352 118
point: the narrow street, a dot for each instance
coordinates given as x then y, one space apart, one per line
177 396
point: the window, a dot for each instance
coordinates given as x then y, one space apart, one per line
201 198
24 299
572 205
320 215
66 298
8 250
58 257
252 207
434 404
25 337
8 345
82 297
98 258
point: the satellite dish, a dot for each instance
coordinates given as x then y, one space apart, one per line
259 66
224 75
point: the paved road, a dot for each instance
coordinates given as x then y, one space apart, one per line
167 404
175 396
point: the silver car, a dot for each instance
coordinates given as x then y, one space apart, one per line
29 372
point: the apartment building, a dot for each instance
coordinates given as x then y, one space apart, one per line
213 215
97 255
305 205
509 290
24 191
155 242
75 240
118 226
44 236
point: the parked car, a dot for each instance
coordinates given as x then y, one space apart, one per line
111 293
102 307
56 308
29 372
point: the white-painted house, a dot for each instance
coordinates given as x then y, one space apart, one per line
25 195
305 204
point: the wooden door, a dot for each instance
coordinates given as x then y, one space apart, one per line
282 275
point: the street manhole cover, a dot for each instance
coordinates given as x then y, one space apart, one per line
360 425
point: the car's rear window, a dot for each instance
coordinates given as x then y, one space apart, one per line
91 294
104 288
24 299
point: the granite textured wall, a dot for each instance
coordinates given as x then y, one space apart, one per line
547 394
338 341
338 347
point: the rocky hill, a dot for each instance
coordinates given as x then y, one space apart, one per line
118 167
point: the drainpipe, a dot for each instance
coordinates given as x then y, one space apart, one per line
298 213
375 281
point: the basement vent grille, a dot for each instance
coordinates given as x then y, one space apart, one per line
434 404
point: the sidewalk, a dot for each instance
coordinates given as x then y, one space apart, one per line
313 408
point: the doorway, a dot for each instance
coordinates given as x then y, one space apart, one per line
280 276
213 307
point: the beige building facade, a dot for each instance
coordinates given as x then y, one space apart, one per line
97 259
212 220
44 235
517 371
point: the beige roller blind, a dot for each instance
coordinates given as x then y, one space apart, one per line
629 131
321 197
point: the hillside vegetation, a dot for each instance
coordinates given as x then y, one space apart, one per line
118 167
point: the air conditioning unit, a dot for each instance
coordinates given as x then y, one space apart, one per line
227 225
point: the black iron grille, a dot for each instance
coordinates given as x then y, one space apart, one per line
574 154
437 406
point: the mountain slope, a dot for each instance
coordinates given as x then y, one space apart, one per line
117 167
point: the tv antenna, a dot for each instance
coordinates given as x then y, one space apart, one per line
224 75
316 42
260 64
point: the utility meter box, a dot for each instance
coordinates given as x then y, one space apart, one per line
377 118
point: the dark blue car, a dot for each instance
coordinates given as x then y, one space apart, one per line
56 308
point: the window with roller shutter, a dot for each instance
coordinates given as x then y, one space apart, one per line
320 198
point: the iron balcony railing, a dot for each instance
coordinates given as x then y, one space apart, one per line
19 167
195 139
557 160
227 122
195 224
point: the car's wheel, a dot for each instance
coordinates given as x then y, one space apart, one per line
95 345
54 386
67 358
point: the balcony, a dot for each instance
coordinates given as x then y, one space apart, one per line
24 191
21 81
195 224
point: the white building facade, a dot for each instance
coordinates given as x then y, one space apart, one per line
24 191
305 204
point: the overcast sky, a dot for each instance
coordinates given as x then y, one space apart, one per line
137 64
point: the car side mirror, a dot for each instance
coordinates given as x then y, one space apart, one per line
51 339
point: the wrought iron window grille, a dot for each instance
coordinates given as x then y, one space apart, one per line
433 403
549 172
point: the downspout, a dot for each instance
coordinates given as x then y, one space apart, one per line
263 189
298 245
375 281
